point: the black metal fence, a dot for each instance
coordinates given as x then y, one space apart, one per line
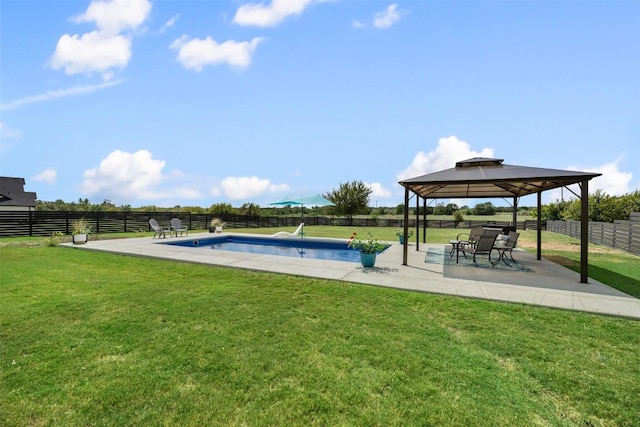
44 223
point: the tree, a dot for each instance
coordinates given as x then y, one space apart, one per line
250 209
450 208
553 211
439 209
485 208
221 209
350 198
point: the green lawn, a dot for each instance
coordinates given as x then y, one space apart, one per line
100 339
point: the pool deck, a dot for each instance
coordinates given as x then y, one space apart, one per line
549 285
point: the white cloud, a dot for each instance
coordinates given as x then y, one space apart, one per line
261 15
47 176
194 54
244 187
379 192
113 17
104 49
612 182
126 176
449 151
91 52
387 17
54 94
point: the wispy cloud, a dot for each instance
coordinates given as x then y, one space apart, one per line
387 17
48 176
381 20
7 133
242 187
269 15
55 94
169 24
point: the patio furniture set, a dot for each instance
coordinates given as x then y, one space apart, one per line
481 240
175 227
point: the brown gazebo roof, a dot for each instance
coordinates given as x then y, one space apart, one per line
481 177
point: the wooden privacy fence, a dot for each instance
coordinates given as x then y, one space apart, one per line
44 223
624 235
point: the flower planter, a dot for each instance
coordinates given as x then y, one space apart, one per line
79 239
367 259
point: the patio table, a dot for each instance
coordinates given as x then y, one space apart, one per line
457 246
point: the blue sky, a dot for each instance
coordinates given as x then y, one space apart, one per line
199 102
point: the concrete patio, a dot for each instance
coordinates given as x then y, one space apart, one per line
549 284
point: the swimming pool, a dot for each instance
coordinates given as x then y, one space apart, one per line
333 250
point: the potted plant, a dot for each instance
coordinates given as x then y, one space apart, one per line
400 234
368 248
217 225
80 231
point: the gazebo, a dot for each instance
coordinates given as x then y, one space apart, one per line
482 177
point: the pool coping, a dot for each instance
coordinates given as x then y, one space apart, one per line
550 285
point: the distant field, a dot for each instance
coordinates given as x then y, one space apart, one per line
497 217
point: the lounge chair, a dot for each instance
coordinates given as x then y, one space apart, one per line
158 231
506 245
287 234
177 227
484 246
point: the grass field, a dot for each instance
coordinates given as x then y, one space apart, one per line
101 339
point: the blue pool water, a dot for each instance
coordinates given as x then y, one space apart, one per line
297 247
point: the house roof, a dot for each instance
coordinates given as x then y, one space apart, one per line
482 177
12 193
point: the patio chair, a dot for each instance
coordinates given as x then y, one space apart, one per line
176 227
507 245
158 231
470 238
287 234
484 246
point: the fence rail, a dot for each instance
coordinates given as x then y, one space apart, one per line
44 223
624 235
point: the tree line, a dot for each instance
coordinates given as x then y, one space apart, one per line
354 198
602 208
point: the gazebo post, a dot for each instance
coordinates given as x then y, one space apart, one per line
417 221
515 212
406 225
539 228
584 232
424 221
